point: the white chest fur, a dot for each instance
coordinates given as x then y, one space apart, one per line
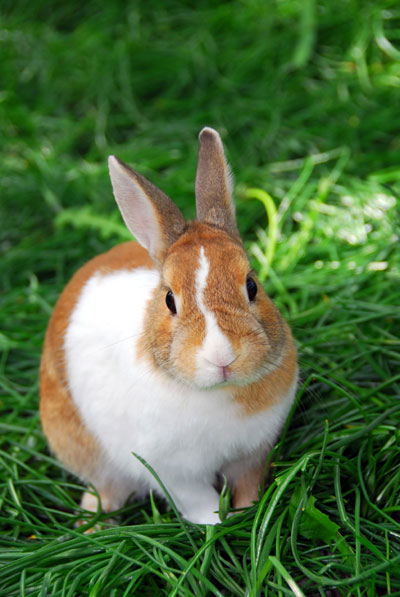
130 407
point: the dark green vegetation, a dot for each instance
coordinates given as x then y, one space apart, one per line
306 96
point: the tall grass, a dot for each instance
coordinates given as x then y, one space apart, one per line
306 97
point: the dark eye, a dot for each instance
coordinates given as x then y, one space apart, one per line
169 299
251 288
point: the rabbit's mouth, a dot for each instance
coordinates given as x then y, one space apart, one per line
213 376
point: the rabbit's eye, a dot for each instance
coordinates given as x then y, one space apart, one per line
251 288
169 299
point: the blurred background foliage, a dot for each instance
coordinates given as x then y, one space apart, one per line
280 80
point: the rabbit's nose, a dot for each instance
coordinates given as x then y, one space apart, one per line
223 367
222 371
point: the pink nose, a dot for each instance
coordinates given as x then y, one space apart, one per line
224 369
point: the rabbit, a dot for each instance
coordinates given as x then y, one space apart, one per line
168 347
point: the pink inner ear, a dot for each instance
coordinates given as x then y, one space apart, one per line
136 208
139 217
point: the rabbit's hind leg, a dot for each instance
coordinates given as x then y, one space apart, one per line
111 496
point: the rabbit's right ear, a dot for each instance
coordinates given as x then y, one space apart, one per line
214 200
151 216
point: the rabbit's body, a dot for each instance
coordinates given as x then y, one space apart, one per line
197 390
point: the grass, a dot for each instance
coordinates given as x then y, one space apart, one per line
306 96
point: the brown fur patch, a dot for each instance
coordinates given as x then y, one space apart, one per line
245 489
68 437
269 390
170 340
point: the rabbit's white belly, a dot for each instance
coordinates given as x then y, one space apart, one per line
183 433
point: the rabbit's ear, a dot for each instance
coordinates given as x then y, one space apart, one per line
151 216
214 201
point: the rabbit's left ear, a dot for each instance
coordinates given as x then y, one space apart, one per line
214 201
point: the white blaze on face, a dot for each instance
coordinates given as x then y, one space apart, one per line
216 350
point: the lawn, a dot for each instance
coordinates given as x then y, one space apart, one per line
306 96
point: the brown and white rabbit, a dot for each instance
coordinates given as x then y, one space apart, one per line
170 349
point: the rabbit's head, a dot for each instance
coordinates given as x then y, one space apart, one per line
209 322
